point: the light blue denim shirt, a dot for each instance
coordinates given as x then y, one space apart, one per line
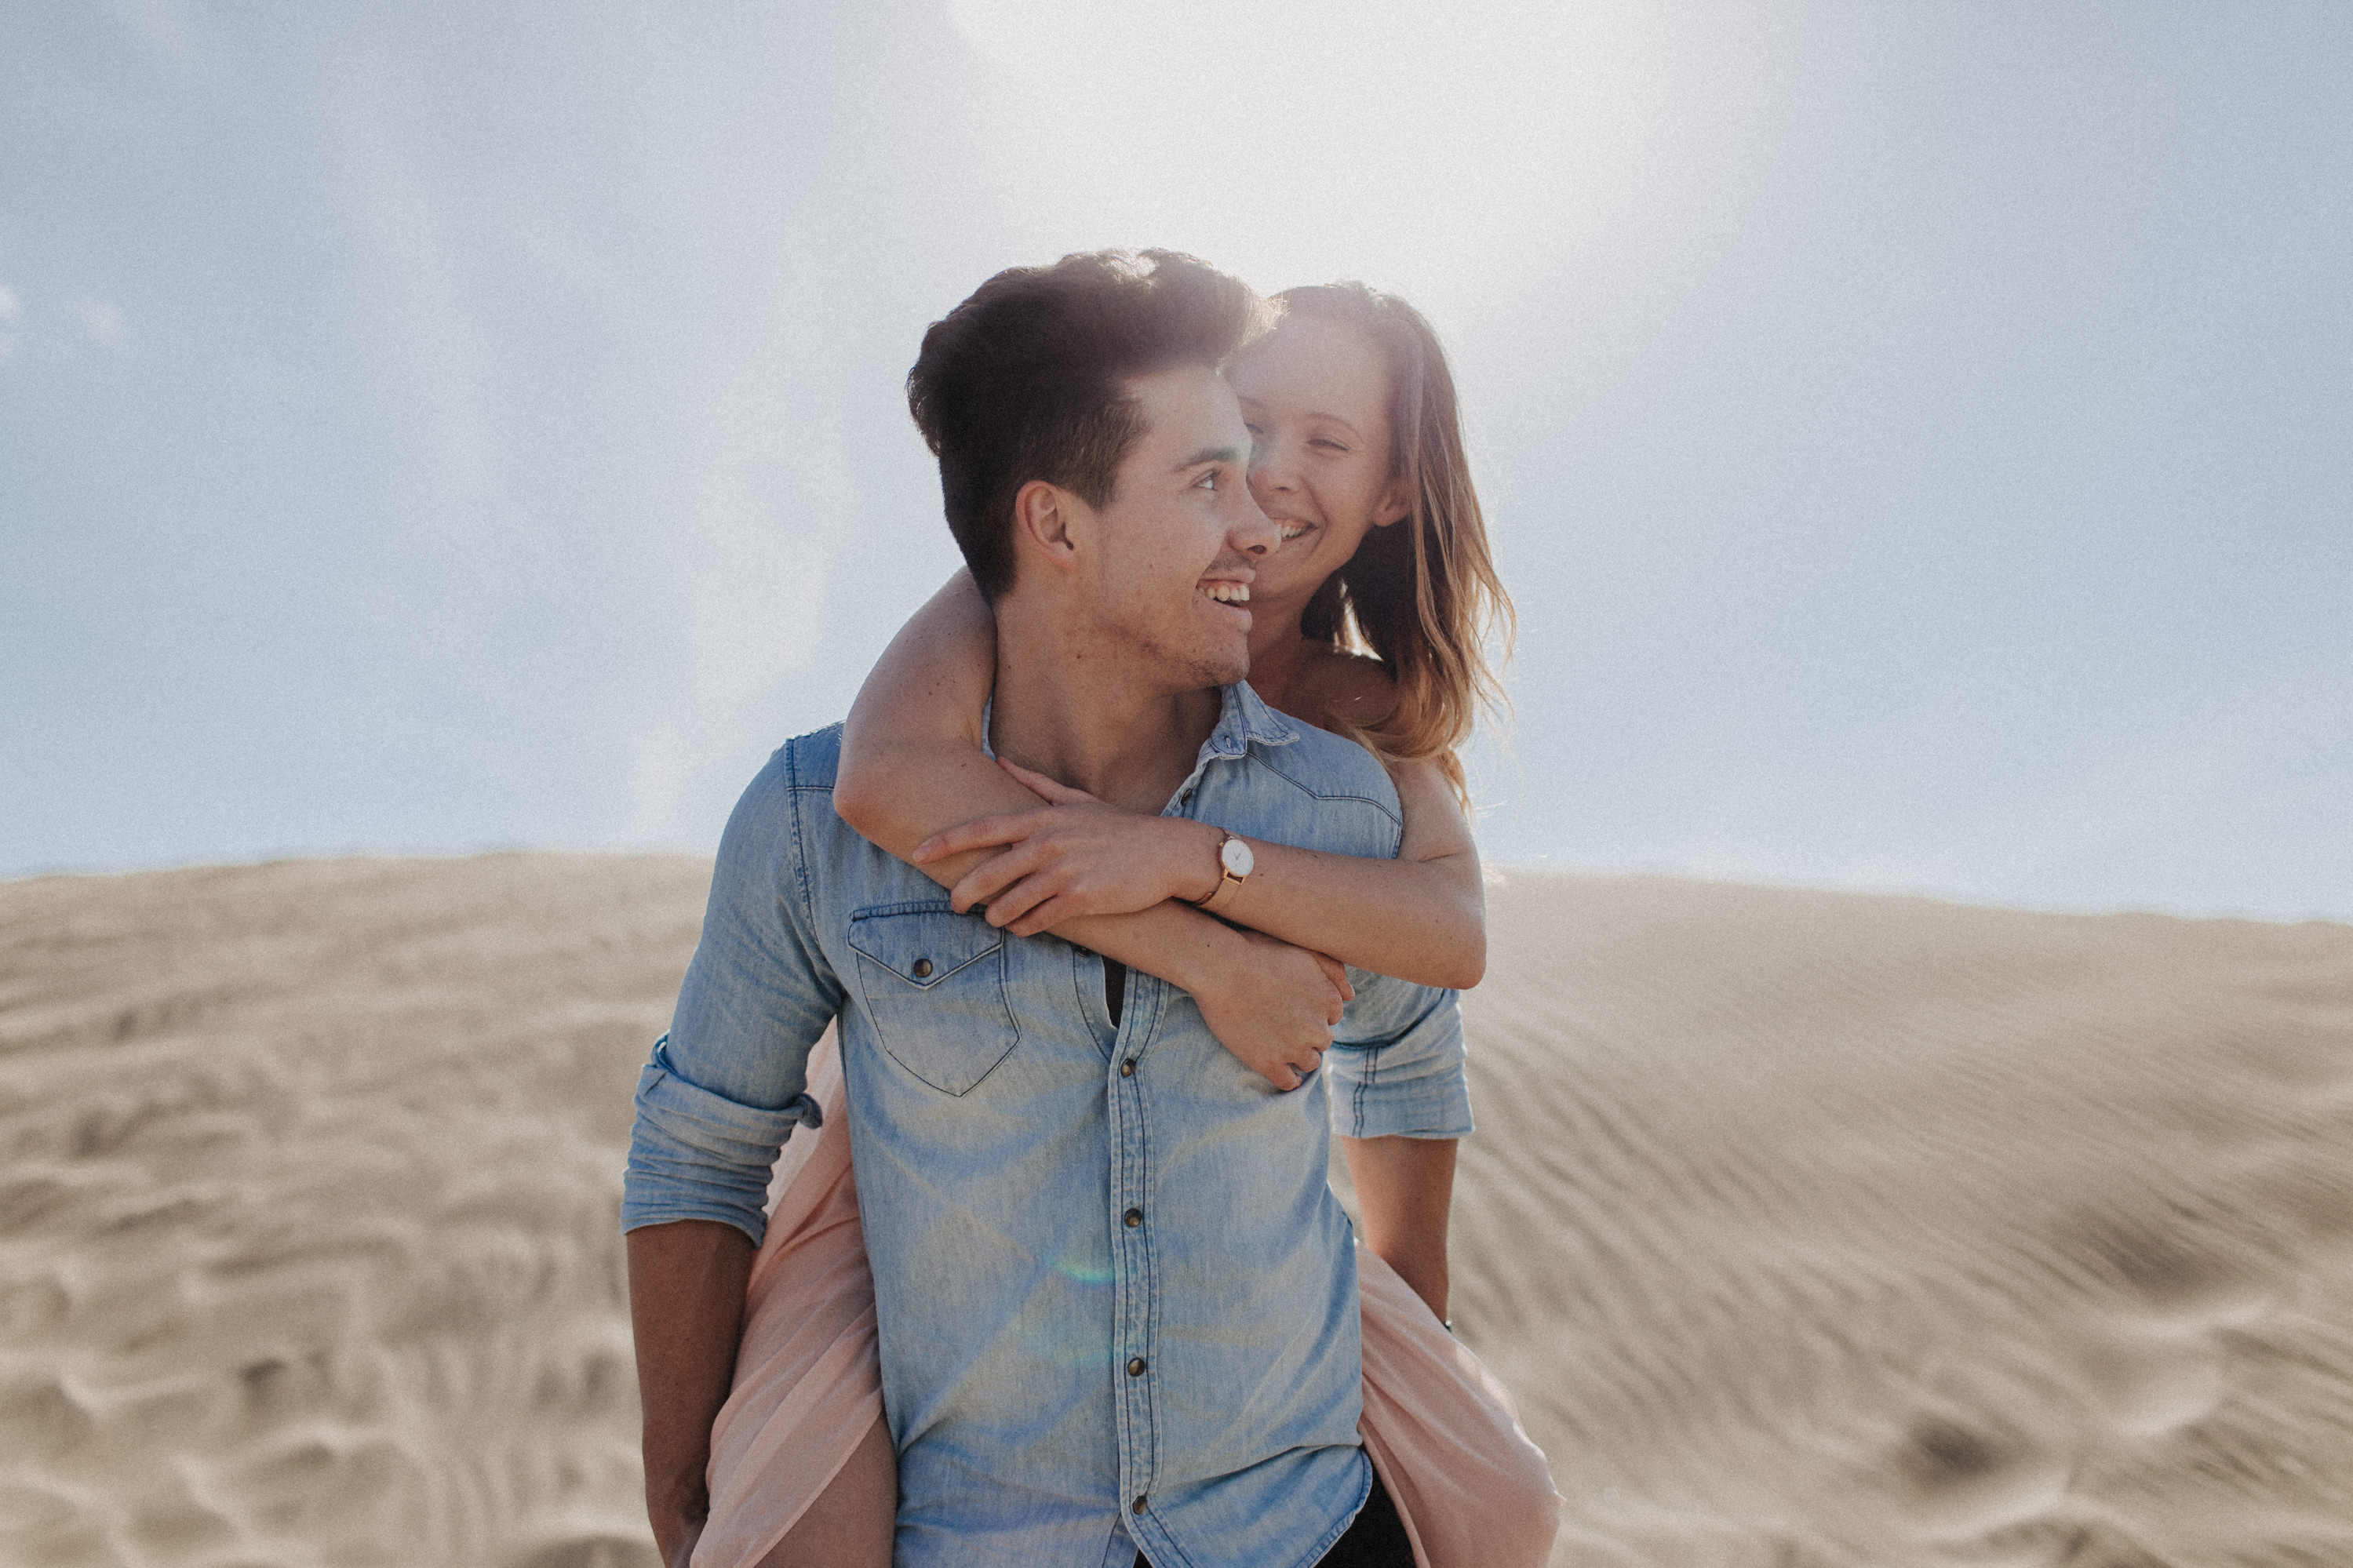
1116 1296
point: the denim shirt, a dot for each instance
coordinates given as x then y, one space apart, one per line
1117 1299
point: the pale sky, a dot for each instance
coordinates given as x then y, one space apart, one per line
1916 435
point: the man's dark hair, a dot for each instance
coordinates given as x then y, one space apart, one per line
1023 381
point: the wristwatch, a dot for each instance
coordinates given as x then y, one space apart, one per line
1234 863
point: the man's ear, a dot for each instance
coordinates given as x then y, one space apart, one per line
1042 516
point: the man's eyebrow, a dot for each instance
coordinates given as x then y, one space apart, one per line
1210 455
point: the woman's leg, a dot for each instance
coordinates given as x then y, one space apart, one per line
850 1523
1471 1491
802 1470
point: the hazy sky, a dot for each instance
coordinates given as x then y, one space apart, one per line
1919 438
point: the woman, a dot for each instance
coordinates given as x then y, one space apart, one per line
1367 619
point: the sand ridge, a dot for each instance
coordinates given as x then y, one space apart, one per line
308 1233
1809 1228
1822 1229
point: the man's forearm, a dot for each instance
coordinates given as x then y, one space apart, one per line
1404 1189
686 1305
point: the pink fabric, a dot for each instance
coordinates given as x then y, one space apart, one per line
1471 1489
808 1378
1445 1437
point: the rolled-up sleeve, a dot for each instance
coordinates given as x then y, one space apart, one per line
699 1155
728 1084
1396 1062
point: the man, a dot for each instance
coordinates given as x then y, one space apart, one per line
1117 1301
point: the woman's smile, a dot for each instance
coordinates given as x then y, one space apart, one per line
1316 398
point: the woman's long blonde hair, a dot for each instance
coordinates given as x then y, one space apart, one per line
1421 594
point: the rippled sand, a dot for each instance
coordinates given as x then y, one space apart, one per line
308 1246
1811 1229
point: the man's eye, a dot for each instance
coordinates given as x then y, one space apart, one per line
1208 481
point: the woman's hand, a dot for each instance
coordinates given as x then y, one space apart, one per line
1075 858
1275 1007
1272 1005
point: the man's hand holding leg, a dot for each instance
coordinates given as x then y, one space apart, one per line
686 1304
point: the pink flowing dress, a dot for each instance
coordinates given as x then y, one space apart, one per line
1444 1435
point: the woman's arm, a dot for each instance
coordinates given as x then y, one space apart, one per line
911 761
1439 923
1421 916
911 765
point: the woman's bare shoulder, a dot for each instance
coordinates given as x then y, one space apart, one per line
1346 688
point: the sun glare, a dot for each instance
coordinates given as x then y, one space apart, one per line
1435 150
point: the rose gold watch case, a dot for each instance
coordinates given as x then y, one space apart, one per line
1235 863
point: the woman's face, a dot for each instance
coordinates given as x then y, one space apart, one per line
1316 395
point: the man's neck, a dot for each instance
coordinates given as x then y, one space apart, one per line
1082 713
1279 665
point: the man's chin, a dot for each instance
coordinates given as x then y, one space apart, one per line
1200 674
1226 667
1197 668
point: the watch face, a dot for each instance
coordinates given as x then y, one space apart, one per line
1235 856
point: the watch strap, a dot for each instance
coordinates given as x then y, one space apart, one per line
1221 894
1227 883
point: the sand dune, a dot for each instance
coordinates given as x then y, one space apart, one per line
1811 1229
308 1236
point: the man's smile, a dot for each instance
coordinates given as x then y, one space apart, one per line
1229 599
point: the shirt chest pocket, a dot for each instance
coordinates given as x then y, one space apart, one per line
934 984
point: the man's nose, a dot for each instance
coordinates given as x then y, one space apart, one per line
1251 532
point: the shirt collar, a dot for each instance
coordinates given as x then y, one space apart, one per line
1244 720
1243 717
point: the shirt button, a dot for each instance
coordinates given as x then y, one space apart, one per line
1136 1366
923 968
1127 1067
1137 1507
1135 1219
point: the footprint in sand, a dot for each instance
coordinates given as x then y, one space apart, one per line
2179 1287
1963 1481
2155 1365
2148 1384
